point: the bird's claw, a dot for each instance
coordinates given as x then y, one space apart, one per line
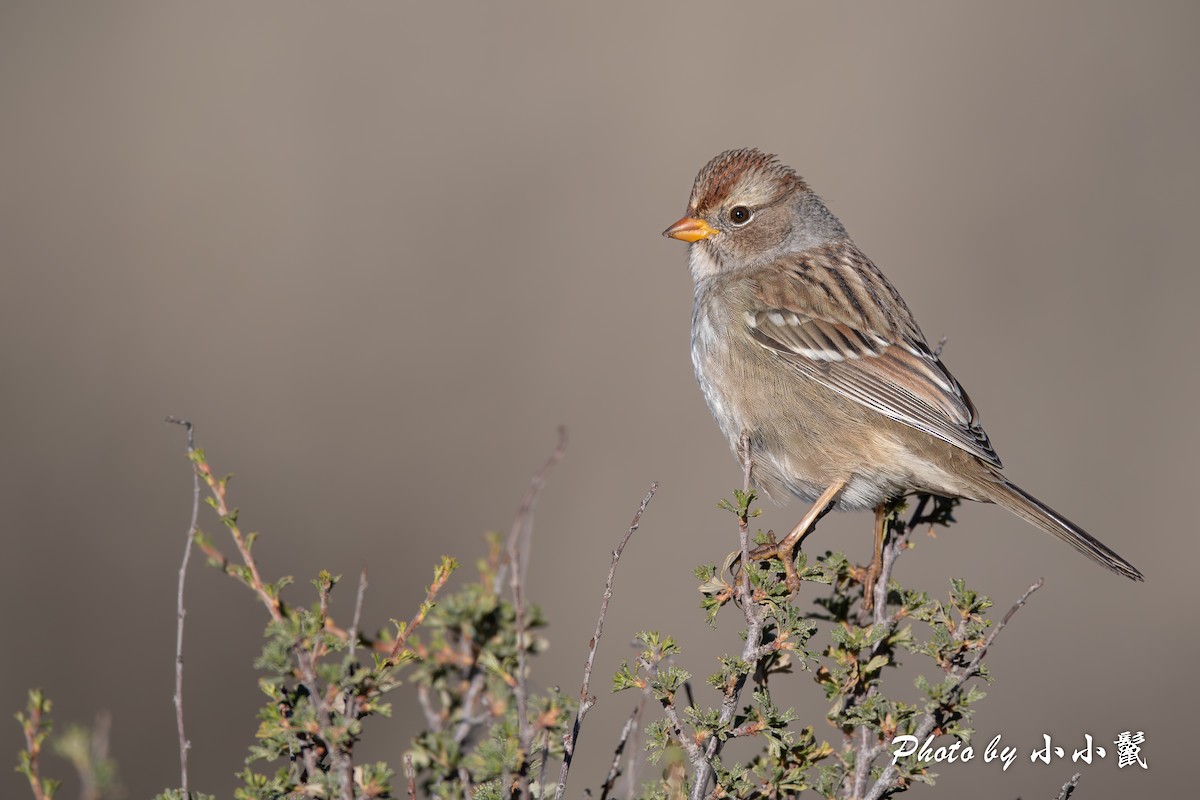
765 552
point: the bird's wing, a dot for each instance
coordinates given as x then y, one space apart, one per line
834 317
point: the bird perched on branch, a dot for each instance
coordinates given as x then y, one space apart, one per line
803 347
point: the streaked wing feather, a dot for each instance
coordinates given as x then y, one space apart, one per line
902 380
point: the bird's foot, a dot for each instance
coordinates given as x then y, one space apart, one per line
780 550
766 551
870 576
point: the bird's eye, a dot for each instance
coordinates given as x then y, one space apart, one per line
739 215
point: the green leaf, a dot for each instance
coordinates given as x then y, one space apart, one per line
876 663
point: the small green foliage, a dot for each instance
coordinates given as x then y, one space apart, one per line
627 678
859 652
742 505
470 670
659 740
731 673
465 667
86 750
319 694
716 590
36 725
321 681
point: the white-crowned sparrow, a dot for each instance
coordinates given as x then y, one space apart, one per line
802 345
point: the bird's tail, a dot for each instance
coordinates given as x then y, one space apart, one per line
1034 511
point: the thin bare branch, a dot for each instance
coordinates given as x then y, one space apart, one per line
433 718
614 771
469 719
524 515
752 651
464 780
411 775
544 763
972 669
352 638
1068 788
744 530
586 701
180 612
522 532
637 753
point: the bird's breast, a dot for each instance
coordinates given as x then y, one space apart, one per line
710 360
723 358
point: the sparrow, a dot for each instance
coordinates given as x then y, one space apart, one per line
804 350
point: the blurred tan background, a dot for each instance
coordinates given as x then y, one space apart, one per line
378 252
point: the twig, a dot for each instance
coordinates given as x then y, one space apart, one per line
474 690
441 574
586 701
309 755
887 779
464 780
358 604
694 753
751 651
342 755
541 781
411 775
1068 788
971 669
633 764
749 608
217 488
181 613
896 534
527 502
35 735
433 718
522 529
439 580
743 528
474 677
614 771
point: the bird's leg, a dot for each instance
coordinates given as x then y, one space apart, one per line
876 567
784 550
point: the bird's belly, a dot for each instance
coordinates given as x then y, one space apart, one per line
802 454
864 488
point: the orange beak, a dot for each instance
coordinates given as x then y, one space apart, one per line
690 229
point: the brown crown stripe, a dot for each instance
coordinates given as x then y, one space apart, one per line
719 177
